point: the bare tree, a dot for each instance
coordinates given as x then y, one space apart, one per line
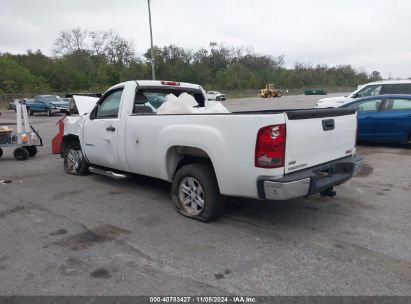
99 41
119 51
70 41
114 48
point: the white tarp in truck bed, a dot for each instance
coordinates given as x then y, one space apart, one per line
186 104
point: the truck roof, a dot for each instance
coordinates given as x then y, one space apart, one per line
160 83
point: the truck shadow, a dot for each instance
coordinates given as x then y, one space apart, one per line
312 213
258 213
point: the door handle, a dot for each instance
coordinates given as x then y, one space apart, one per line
110 129
368 117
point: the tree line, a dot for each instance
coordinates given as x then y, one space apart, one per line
94 60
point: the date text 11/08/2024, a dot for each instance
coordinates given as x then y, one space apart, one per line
203 299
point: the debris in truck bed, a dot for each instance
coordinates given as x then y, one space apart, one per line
186 104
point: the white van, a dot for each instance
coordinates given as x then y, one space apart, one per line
382 87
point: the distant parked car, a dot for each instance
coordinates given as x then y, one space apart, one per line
214 95
48 104
383 118
376 88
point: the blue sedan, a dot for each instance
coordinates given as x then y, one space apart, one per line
383 118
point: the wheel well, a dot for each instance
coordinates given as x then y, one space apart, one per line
65 141
179 156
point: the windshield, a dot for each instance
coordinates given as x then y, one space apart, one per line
52 98
371 90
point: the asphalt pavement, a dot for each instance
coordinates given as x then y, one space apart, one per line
92 235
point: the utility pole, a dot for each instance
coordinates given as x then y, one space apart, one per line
153 70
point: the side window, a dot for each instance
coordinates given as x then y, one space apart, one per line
398 104
109 107
367 106
394 89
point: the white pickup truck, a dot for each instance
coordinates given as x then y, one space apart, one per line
273 155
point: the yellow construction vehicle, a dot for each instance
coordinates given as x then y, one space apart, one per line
270 91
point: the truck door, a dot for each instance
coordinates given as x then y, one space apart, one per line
100 134
38 105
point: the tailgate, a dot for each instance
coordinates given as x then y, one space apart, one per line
318 136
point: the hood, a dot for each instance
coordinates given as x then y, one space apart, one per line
60 103
85 103
335 99
333 102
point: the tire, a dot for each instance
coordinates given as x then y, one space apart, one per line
74 161
197 183
1 152
49 113
279 94
30 112
21 153
32 150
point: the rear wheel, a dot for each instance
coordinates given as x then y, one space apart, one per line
196 194
74 162
1 152
32 150
30 112
21 153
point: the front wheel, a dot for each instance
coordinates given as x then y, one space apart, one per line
49 112
196 194
30 112
74 162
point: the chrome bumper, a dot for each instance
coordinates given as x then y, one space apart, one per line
309 181
284 191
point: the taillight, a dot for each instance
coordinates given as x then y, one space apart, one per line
270 147
172 83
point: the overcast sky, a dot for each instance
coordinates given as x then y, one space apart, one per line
368 34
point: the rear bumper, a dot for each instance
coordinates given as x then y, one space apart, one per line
310 181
